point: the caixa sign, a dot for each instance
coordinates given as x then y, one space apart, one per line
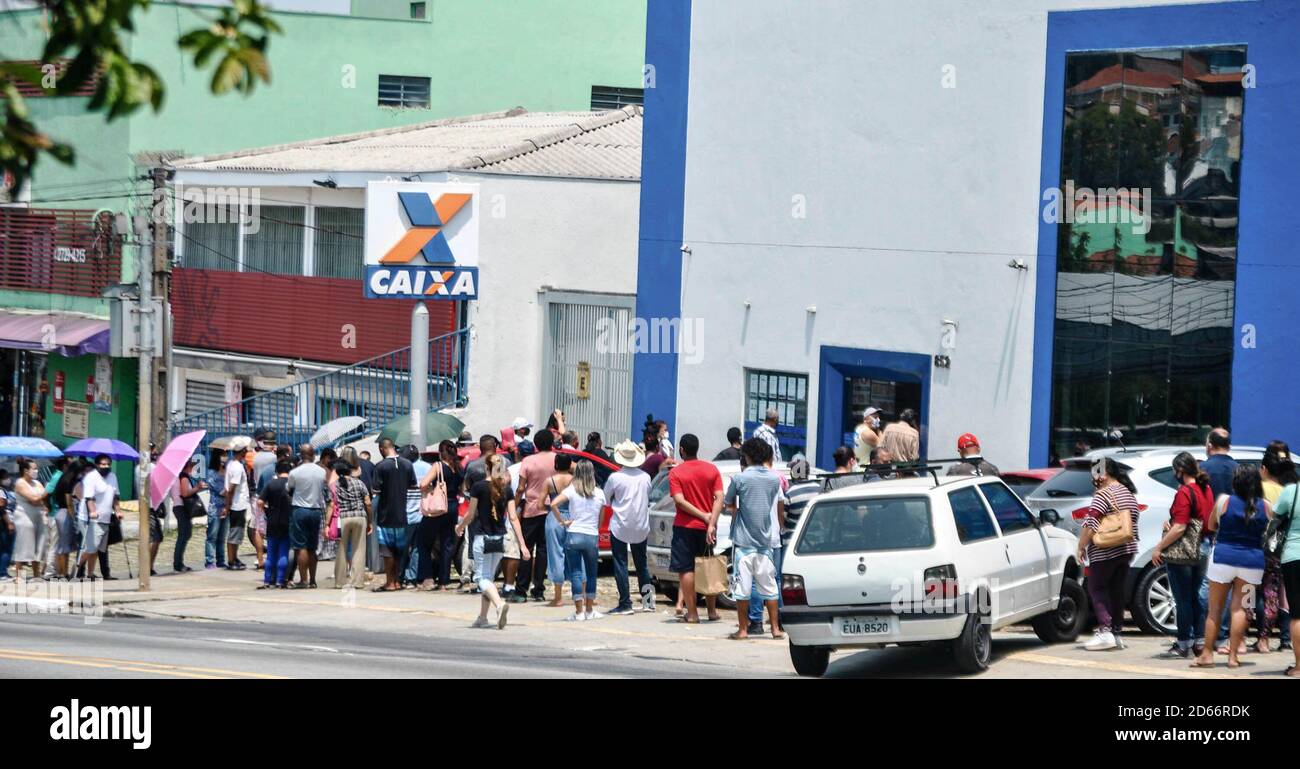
422 282
421 240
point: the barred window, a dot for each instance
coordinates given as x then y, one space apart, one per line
276 247
339 236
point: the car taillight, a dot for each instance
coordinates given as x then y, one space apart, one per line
941 582
792 590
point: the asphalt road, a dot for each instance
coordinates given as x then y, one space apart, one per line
61 646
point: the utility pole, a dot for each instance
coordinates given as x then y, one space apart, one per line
162 279
144 407
419 374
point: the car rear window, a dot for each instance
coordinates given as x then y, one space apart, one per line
1070 482
866 525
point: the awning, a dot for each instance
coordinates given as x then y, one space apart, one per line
63 333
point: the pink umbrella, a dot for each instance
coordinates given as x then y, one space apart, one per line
170 463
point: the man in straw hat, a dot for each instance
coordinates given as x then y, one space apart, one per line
628 494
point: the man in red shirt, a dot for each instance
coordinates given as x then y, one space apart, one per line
534 472
696 488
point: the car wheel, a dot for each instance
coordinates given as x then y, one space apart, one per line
1153 602
974 647
668 590
1065 623
810 660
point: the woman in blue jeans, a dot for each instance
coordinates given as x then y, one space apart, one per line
214 549
582 538
556 535
1188 515
491 511
190 488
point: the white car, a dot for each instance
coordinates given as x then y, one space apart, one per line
925 560
1069 493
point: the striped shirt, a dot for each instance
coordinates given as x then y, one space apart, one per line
1111 501
768 435
351 493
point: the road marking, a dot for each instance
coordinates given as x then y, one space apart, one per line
309 647
130 666
35 603
1114 667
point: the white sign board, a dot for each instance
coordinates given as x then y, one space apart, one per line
421 240
76 419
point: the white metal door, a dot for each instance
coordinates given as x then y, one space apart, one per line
588 368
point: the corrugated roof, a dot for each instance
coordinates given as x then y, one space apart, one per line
596 145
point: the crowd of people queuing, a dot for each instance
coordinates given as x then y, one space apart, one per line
1232 558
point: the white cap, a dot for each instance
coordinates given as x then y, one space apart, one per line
870 410
520 423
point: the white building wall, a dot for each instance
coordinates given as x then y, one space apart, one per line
916 197
536 233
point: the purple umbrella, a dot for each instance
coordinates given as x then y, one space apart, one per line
93 447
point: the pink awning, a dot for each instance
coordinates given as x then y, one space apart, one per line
68 335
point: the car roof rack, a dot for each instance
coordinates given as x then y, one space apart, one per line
932 467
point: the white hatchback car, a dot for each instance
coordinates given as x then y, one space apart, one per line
921 560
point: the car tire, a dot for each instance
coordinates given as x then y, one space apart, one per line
1153 602
810 660
974 647
1064 624
668 590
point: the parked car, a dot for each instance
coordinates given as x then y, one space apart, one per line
915 561
1025 482
1151 602
662 513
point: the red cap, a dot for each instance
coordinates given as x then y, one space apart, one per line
966 441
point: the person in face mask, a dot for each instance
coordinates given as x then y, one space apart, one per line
867 435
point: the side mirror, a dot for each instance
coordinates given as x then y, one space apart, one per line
1049 517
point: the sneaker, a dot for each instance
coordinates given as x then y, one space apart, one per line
1178 651
621 610
755 628
648 598
516 598
501 616
575 617
1101 641
481 622
593 614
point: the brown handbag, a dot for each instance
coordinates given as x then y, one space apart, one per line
1114 529
1187 550
711 575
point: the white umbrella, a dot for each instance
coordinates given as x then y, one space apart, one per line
333 430
231 442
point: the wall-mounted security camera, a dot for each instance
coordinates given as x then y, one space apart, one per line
686 249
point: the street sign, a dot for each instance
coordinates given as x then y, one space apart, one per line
421 240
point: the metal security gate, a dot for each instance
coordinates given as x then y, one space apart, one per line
587 365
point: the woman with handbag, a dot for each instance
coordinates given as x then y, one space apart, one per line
1237 561
1107 544
1271 608
491 510
1180 552
436 535
191 508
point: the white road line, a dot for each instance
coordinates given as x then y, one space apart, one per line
309 647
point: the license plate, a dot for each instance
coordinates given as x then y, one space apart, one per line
882 625
661 561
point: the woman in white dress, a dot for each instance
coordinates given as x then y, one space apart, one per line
29 523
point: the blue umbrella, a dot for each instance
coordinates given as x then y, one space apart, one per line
93 447
23 446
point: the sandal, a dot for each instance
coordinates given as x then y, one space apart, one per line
737 636
297 586
778 636
1291 672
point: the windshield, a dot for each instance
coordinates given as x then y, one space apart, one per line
865 525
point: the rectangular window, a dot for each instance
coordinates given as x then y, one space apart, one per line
212 245
339 238
417 10
867 525
403 91
605 97
970 515
1151 157
276 247
788 394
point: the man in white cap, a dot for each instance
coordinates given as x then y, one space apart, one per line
628 494
523 446
867 435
